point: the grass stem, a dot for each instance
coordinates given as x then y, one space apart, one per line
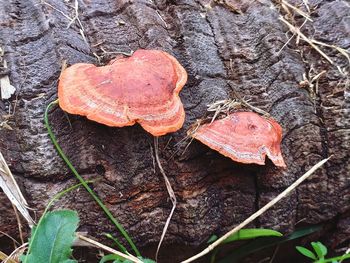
83 182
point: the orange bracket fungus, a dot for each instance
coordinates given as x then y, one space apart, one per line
245 137
143 88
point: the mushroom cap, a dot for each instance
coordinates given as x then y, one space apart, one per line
244 137
143 88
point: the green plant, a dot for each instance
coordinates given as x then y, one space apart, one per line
51 239
83 182
259 244
243 234
319 253
118 259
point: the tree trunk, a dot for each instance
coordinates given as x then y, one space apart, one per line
240 42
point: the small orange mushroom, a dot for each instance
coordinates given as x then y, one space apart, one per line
244 137
143 88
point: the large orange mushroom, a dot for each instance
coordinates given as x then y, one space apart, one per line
244 137
143 88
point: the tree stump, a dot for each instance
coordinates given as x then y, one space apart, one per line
219 42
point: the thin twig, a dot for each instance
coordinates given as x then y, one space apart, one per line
259 212
170 192
108 249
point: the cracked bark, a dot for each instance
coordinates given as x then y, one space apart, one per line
215 46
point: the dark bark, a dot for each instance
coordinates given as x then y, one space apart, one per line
215 45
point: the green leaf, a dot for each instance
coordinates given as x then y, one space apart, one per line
320 249
212 239
265 242
306 252
147 260
244 234
119 259
111 257
337 259
52 238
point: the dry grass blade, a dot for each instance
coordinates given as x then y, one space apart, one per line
300 12
223 106
6 88
14 256
170 192
306 4
259 212
187 139
19 224
342 51
71 19
4 125
310 83
128 54
246 102
296 30
9 185
59 11
108 249
3 257
76 18
153 159
290 39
